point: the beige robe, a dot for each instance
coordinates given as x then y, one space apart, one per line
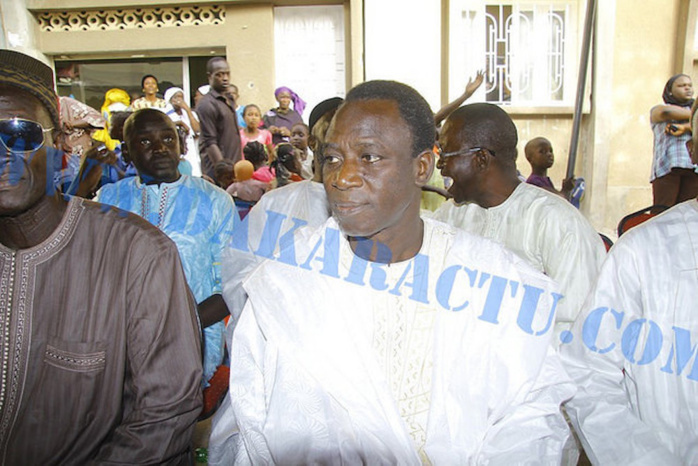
100 345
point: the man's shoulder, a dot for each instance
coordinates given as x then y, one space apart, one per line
110 193
207 188
532 200
104 221
463 243
676 222
207 104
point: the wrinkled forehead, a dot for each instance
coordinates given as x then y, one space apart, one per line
148 121
370 117
16 102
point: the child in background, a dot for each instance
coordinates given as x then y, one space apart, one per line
255 153
539 153
299 140
252 132
245 187
223 171
287 165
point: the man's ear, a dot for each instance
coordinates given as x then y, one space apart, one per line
312 142
483 160
57 136
424 167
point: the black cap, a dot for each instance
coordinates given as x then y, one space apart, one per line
322 108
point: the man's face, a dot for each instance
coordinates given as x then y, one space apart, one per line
23 176
219 77
299 137
284 99
150 86
369 173
153 146
462 169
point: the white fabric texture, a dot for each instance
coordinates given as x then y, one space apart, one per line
322 375
638 379
305 201
547 232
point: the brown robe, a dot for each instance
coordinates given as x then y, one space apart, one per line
100 345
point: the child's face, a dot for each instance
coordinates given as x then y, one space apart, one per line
299 137
284 99
252 117
542 155
225 177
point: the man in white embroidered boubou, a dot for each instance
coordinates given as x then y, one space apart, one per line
361 364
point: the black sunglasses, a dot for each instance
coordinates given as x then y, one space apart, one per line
20 135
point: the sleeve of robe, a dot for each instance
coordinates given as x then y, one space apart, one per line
162 388
608 428
572 254
226 445
535 431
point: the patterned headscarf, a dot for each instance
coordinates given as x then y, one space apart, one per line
669 98
298 103
28 73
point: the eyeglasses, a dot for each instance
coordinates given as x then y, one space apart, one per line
473 150
20 135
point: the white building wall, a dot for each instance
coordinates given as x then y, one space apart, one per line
403 43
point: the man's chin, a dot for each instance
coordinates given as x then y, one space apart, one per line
351 228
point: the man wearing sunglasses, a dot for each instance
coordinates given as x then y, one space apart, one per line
478 152
101 361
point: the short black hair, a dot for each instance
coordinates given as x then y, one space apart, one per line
209 64
413 108
488 126
146 77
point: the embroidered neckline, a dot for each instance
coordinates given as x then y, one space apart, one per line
145 206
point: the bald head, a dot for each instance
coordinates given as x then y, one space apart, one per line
136 121
487 126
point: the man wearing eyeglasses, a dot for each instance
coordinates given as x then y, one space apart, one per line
478 152
373 338
101 361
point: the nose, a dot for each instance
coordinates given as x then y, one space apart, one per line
440 163
348 176
159 146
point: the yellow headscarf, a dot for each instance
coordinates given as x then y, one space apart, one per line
112 96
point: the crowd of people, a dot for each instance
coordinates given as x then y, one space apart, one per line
354 326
